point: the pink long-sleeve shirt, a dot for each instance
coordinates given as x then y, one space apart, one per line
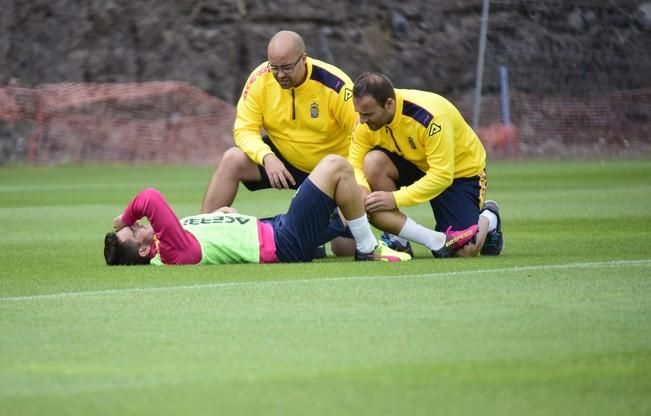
175 244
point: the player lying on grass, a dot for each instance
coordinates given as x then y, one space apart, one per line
225 236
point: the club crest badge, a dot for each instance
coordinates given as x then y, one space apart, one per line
412 144
314 110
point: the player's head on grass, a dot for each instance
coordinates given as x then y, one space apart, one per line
128 246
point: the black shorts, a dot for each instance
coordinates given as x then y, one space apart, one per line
458 206
299 175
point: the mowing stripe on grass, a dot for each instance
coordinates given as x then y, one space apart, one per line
585 265
81 186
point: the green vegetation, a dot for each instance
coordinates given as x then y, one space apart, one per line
557 325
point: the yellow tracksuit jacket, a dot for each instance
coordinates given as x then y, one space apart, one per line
430 132
305 123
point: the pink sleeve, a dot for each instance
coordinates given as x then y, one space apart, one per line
176 245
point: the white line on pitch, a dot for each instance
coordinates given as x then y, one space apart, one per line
585 265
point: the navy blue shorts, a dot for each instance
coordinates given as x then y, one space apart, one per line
299 175
305 226
458 206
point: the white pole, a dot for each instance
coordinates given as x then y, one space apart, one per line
504 94
480 63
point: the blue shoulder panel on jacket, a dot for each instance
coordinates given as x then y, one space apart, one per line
326 78
417 112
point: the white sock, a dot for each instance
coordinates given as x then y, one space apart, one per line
431 239
492 219
364 238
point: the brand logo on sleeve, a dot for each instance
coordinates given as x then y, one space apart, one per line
252 79
433 129
348 93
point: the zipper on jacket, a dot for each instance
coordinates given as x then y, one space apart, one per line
394 139
293 105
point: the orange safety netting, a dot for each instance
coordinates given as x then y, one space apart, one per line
174 122
166 122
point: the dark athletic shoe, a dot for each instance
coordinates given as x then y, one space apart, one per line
393 243
320 252
495 239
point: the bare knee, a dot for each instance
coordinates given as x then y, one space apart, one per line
236 165
378 170
234 159
337 164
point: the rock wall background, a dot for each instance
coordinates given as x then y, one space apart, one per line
552 48
422 44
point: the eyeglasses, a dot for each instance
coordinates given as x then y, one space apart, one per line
286 69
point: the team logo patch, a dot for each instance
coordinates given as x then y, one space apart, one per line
314 110
347 94
411 142
433 129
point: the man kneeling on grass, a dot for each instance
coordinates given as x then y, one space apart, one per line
226 236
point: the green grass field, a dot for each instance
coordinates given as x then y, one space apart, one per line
560 324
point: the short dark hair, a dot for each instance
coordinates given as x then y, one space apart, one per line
118 252
375 84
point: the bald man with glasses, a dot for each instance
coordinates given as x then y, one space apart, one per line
303 106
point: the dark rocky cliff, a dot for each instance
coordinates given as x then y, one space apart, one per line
548 45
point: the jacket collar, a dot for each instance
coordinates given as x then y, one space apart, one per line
308 72
398 111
